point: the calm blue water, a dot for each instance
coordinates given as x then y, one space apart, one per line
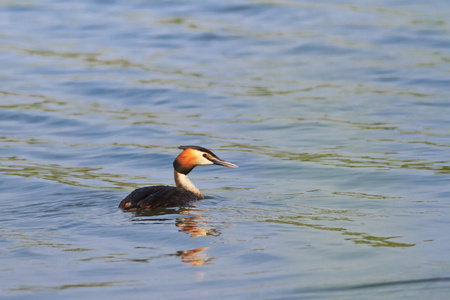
336 113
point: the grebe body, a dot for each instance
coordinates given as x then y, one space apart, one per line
151 197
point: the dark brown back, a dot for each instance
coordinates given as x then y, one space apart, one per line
150 197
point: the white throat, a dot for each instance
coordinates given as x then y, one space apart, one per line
183 181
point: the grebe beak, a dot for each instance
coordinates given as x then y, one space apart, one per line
222 163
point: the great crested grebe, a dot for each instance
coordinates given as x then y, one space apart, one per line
150 197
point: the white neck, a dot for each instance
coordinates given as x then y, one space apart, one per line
182 181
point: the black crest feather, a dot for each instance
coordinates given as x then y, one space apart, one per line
198 148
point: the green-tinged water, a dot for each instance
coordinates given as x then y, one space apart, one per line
336 113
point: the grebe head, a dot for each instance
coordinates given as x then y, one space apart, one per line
193 156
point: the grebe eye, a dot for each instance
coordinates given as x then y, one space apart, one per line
205 155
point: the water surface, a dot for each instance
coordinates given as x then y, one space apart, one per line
336 113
